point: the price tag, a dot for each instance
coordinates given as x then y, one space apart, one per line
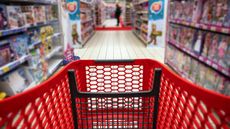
213 28
208 62
215 66
201 58
5 69
225 30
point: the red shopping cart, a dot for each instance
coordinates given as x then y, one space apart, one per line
116 94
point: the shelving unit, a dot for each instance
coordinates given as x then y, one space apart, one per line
100 13
43 51
201 46
87 20
140 22
128 13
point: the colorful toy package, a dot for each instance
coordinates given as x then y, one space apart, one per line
15 17
223 51
207 42
34 36
19 45
5 54
29 15
198 42
3 17
18 80
39 13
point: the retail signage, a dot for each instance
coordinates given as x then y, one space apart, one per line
156 9
70 12
156 23
73 7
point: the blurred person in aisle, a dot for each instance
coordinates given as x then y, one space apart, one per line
118 13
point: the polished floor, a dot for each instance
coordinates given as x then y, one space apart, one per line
118 45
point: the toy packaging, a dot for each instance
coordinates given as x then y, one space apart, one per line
222 56
49 15
3 17
34 36
19 45
5 54
198 42
213 46
29 15
35 58
211 79
15 17
39 14
207 42
18 80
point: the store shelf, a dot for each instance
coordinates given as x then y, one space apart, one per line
3 42
140 37
178 71
6 68
21 2
53 52
85 10
53 66
145 19
87 20
39 42
88 37
85 2
141 2
87 29
142 12
23 29
202 26
201 58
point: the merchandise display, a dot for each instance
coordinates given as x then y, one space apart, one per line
202 40
100 12
196 71
30 38
128 13
141 19
87 17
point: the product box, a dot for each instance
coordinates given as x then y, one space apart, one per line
35 58
29 15
16 81
213 46
19 44
198 42
5 54
39 13
34 36
223 51
15 17
207 43
3 17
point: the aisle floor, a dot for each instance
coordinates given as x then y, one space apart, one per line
110 23
118 45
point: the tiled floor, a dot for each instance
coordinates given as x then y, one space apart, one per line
118 45
110 23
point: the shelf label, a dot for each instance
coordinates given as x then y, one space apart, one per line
5 69
215 66
213 28
208 62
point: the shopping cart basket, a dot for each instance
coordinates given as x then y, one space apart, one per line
116 94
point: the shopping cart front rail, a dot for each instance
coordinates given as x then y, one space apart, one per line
140 93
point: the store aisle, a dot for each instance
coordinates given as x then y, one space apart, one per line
110 23
118 45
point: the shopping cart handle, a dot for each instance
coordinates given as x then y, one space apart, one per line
115 61
76 93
